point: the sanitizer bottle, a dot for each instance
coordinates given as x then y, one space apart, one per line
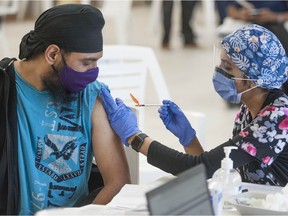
215 189
228 177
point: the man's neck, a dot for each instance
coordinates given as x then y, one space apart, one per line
31 71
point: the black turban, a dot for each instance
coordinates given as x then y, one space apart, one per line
72 27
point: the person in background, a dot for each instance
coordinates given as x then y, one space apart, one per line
269 14
188 35
221 7
252 68
61 120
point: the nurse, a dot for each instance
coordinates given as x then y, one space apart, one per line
252 69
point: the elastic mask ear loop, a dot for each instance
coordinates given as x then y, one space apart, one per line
256 86
237 78
63 59
259 82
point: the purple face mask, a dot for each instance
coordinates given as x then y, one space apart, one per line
74 81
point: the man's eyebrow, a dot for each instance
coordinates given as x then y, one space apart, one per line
90 59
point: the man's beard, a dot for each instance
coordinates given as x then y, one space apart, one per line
59 94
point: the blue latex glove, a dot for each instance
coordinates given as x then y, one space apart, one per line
176 122
121 118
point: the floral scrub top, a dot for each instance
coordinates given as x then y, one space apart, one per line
265 138
262 154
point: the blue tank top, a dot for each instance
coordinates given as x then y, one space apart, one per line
54 147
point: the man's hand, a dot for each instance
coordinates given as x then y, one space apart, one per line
265 16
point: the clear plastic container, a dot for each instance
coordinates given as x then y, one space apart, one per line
216 197
229 178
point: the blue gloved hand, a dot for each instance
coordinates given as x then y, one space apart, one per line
121 118
176 122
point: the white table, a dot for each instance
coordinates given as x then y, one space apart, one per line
131 200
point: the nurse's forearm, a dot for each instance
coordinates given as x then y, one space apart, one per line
145 146
194 148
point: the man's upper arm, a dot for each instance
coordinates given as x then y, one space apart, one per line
107 147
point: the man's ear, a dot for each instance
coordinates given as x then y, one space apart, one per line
51 53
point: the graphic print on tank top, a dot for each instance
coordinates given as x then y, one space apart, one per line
61 155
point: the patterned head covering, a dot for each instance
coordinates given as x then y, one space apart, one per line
258 53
